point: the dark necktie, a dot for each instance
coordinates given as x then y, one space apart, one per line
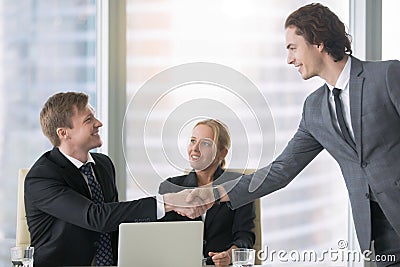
340 117
104 255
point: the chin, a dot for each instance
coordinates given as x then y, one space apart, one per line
98 144
199 166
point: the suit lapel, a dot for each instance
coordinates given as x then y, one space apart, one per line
73 176
356 87
191 180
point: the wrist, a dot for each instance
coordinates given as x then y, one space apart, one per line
167 206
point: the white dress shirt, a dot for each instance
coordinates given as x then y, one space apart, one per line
343 84
78 164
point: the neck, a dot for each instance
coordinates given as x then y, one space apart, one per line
82 156
205 177
333 70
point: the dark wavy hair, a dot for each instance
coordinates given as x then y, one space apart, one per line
319 25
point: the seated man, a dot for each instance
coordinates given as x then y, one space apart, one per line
71 199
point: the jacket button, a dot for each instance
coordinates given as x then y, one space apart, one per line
364 164
96 244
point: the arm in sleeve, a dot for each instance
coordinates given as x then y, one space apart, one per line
393 83
243 226
299 152
52 196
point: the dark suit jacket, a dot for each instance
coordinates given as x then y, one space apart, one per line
223 227
64 223
374 89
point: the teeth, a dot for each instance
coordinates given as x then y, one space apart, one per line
195 157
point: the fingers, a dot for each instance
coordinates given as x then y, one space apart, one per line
191 212
221 259
204 194
201 199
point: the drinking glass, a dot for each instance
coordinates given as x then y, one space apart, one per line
243 257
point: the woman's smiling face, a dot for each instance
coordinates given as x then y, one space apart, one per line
203 151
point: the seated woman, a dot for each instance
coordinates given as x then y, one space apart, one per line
224 229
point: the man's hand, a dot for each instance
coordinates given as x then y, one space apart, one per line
178 203
204 194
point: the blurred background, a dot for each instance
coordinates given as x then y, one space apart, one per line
109 49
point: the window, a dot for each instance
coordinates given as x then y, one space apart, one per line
389 38
46 46
248 37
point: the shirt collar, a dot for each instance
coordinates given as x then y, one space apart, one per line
344 77
77 162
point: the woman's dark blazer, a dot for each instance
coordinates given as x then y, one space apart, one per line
223 226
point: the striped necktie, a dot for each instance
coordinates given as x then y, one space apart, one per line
104 256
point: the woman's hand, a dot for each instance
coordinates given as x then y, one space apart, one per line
220 259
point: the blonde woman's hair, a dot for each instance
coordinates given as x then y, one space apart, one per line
222 137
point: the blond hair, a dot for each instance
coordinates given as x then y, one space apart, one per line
58 111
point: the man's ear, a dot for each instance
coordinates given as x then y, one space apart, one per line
320 47
62 133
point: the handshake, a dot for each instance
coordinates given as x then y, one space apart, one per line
190 202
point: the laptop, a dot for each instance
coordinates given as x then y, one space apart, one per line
161 244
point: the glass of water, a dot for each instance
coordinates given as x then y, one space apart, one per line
22 256
243 257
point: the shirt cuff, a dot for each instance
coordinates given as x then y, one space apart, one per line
160 206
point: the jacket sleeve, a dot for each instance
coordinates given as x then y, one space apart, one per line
299 152
243 226
48 194
393 83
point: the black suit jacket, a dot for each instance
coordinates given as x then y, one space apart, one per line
63 222
223 227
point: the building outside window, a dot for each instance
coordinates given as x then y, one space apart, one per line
310 213
46 46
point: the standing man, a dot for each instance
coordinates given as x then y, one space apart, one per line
71 199
355 116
